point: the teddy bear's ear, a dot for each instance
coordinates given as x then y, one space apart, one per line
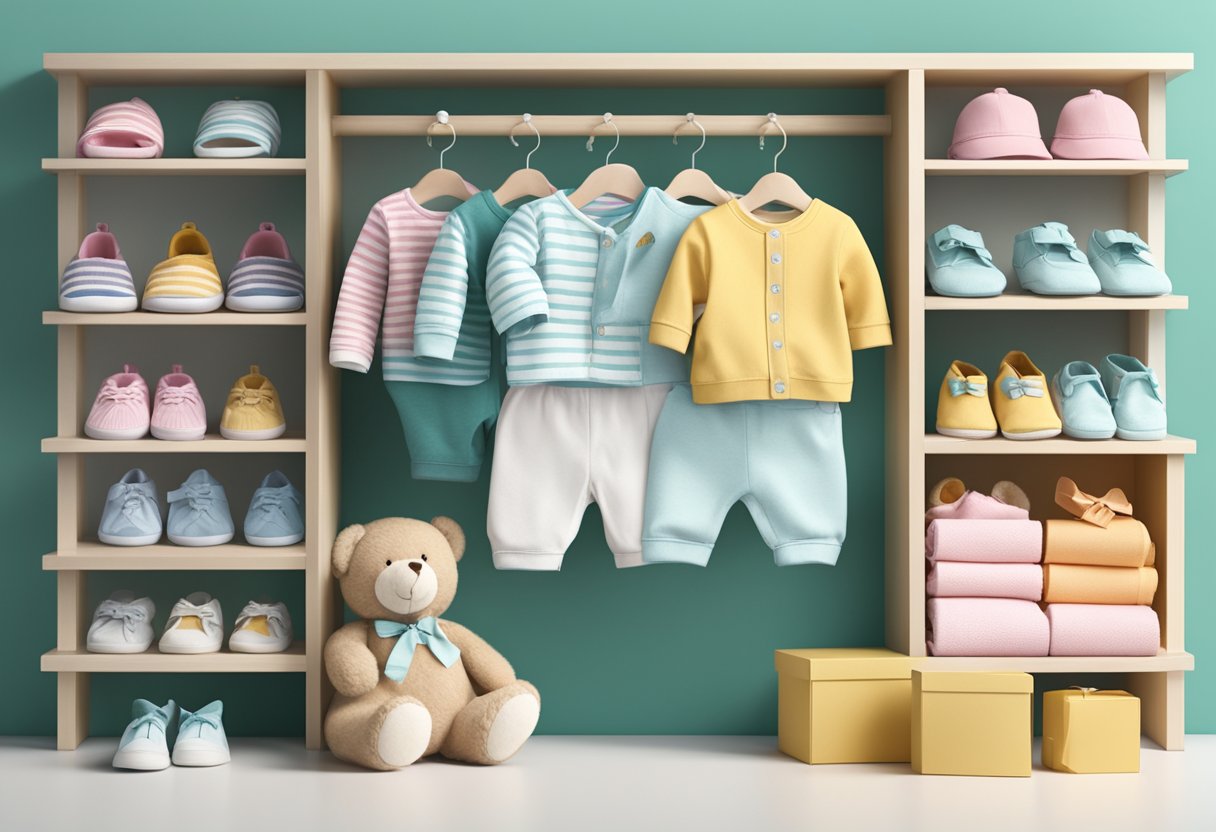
344 547
450 529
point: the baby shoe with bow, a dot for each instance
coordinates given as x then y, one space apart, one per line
1135 398
253 410
261 628
1082 402
959 266
200 737
131 515
1047 262
144 745
121 624
196 625
1019 399
122 409
198 512
963 409
178 412
1125 266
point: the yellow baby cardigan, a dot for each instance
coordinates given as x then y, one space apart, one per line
784 305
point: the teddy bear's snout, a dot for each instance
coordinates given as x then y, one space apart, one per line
416 566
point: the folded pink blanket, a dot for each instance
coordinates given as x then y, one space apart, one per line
953 579
985 541
976 506
987 627
1103 630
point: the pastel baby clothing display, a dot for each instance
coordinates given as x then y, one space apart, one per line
238 129
959 266
253 411
178 413
986 627
785 305
98 279
198 512
187 280
1085 411
572 289
276 513
1125 542
1072 584
1020 400
266 278
122 130
557 450
783 459
984 541
1103 630
964 409
1047 261
998 125
195 625
121 624
122 408
959 579
131 514
1098 126
1135 397
1124 265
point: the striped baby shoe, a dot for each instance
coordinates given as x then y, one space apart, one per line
122 130
188 280
265 278
238 129
98 279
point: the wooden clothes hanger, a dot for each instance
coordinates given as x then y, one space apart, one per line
692 182
440 181
618 180
527 181
775 187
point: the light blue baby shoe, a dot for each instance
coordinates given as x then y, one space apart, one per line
1084 408
1125 266
275 516
1048 262
200 737
1135 398
958 265
131 516
198 512
144 745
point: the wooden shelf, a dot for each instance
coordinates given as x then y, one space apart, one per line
938 444
176 167
93 556
1013 302
1051 167
56 317
1161 663
212 444
153 661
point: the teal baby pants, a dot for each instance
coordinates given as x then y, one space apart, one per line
783 459
446 426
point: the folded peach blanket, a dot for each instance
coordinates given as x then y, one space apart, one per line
952 579
984 541
987 627
1125 542
1070 584
1103 630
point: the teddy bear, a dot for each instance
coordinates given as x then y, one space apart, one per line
407 683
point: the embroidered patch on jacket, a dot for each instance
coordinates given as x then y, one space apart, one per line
646 240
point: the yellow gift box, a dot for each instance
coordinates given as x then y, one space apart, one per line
1089 731
844 705
972 723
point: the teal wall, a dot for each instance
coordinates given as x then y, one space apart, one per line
663 650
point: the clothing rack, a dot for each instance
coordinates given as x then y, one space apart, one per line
649 125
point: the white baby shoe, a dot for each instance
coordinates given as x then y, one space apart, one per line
196 625
261 628
121 624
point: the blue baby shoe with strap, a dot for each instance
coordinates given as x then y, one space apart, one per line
1125 266
1047 262
959 266
1135 398
144 745
1084 407
200 737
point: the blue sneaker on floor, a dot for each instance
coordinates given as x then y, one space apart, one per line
144 745
1081 399
198 512
131 516
1135 398
275 516
958 265
200 737
1048 262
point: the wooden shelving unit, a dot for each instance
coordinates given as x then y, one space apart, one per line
907 80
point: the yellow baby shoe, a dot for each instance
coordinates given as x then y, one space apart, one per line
253 410
1021 401
963 409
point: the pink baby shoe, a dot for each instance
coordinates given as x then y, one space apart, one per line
178 412
122 408
1098 126
998 125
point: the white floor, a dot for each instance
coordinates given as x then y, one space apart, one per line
587 784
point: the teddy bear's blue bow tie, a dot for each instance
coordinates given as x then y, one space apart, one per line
427 632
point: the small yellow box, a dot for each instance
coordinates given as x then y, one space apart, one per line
1088 731
971 723
844 705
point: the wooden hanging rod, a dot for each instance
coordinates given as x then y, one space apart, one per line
629 125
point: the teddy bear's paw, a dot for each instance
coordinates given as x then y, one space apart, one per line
404 734
513 724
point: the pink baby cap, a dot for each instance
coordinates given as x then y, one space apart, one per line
998 125
1098 126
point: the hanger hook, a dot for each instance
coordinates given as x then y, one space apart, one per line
441 117
527 119
785 139
591 138
691 118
